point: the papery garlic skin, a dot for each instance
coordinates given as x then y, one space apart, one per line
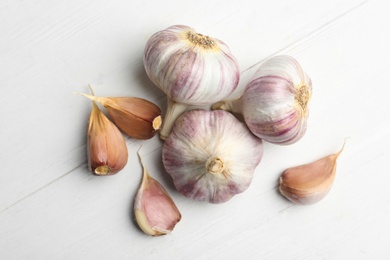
191 68
275 102
307 184
154 210
211 156
106 147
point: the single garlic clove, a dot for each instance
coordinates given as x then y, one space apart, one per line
210 155
106 147
154 210
136 117
190 68
309 183
275 102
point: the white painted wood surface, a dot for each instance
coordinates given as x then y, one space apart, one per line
51 207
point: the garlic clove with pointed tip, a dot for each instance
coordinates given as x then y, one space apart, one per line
309 183
154 210
136 117
106 147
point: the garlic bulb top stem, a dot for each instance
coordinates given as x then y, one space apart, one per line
174 110
191 68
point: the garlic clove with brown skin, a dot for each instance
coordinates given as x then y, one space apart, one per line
309 183
154 210
192 69
275 103
136 117
106 147
210 155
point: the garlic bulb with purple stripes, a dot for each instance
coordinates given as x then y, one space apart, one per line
210 155
191 68
275 101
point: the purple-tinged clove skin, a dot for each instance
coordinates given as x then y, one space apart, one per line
154 210
307 184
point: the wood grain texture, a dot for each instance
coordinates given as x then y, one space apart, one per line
51 207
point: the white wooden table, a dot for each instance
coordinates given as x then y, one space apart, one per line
51 207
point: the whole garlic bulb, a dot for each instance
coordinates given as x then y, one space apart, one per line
210 155
191 68
275 102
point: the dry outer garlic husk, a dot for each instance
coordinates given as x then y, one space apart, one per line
106 147
136 117
309 183
154 210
